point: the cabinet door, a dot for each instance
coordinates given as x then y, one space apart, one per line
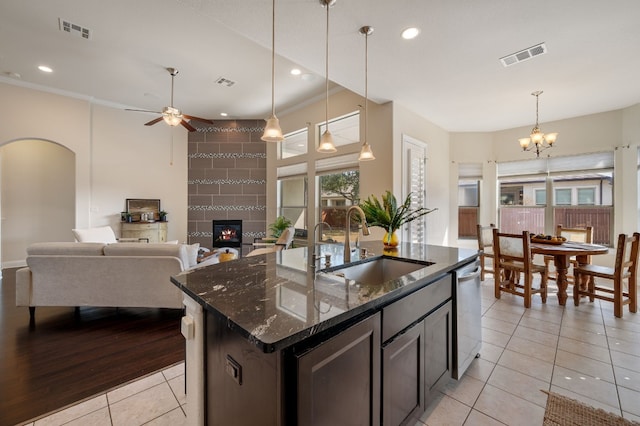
403 376
339 380
438 348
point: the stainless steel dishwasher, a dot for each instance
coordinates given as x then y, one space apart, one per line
467 320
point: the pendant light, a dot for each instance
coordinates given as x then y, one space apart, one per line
272 130
365 153
326 141
541 141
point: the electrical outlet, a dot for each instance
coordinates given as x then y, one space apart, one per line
233 369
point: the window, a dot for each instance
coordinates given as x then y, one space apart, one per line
292 200
294 144
345 129
563 197
338 183
581 188
469 175
586 196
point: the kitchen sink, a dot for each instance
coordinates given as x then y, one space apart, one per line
378 271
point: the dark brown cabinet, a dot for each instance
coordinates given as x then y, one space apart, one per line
416 353
403 376
438 348
355 376
339 380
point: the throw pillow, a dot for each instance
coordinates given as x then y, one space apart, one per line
101 234
192 253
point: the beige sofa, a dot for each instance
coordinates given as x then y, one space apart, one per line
97 274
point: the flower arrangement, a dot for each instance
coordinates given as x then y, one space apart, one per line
389 215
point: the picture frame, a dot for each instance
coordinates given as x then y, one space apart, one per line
137 207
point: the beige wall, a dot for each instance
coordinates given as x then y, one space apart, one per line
116 157
38 198
439 190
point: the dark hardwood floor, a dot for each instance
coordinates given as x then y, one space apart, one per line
64 356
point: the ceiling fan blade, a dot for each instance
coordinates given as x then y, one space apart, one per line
192 117
142 110
154 121
187 126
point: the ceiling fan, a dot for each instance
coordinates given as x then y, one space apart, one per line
171 115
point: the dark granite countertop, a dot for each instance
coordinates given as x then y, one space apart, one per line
276 300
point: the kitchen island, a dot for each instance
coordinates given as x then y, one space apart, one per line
280 339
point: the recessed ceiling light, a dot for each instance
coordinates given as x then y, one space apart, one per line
224 114
44 68
296 71
410 33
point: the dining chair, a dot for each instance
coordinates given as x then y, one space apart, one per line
485 246
512 257
623 272
577 235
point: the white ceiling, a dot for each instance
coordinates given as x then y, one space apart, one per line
451 74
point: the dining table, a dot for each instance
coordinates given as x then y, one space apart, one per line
561 253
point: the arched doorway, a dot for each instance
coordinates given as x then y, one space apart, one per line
37 201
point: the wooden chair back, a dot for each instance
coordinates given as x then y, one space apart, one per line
485 245
624 269
578 235
512 257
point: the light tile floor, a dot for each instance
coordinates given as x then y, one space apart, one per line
583 352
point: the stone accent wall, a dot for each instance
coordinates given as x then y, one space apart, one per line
227 178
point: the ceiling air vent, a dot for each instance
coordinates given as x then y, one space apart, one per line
524 55
225 81
74 29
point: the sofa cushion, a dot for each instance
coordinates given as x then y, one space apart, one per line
101 234
152 249
66 249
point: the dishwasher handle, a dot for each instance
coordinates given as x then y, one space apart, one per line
468 274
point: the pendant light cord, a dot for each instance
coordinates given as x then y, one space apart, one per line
326 104
537 109
273 58
366 83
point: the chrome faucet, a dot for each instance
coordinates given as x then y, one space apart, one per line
365 231
315 228
314 256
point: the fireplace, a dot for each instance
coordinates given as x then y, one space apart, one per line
227 233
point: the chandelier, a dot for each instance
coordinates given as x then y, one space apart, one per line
540 140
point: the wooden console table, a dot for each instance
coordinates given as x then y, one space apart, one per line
154 232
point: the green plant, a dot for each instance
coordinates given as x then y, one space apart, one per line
162 215
279 225
388 214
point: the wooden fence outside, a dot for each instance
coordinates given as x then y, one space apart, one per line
518 219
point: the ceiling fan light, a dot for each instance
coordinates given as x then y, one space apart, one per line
171 119
272 131
366 154
326 143
171 116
